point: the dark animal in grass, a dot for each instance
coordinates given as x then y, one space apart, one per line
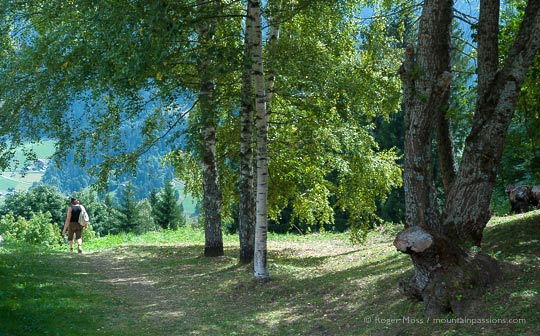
535 196
520 197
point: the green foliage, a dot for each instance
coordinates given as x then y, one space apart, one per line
37 230
144 219
167 213
521 156
323 155
128 210
133 216
42 199
84 53
153 55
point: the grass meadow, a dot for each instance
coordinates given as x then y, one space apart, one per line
321 284
12 178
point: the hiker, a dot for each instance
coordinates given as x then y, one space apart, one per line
72 224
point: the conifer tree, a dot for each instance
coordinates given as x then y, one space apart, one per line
128 212
167 212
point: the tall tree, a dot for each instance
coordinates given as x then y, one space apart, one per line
321 122
111 221
209 118
165 54
261 222
124 62
246 186
128 210
447 273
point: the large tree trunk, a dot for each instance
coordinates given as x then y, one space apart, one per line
446 275
212 191
211 188
246 211
468 201
261 226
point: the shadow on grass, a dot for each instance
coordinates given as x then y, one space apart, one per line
516 237
39 295
219 296
287 258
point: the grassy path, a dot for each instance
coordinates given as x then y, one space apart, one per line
135 294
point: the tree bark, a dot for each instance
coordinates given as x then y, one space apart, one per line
445 150
426 82
261 226
468 201
211 189
246 211
273 36
447 276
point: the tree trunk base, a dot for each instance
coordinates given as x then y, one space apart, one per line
213 251
262 278
246 256
447 278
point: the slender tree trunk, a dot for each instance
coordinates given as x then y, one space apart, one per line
211 188
273 37
251 70
447 276
246 211
261 226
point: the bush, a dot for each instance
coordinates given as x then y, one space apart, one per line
39 199
88 234
39 229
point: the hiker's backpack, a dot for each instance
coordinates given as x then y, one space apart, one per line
84 219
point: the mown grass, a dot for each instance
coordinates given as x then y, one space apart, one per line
160 284
39 295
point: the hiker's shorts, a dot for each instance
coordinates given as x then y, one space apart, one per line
74 228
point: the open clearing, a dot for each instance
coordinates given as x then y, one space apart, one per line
321 285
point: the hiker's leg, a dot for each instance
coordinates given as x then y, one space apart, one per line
70 238
79 239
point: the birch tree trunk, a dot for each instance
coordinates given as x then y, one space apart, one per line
247 214
246 211
273 36
211 188
260 264
448 276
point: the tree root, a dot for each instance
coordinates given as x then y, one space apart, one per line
447 277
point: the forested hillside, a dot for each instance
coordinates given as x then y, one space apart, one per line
150 173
